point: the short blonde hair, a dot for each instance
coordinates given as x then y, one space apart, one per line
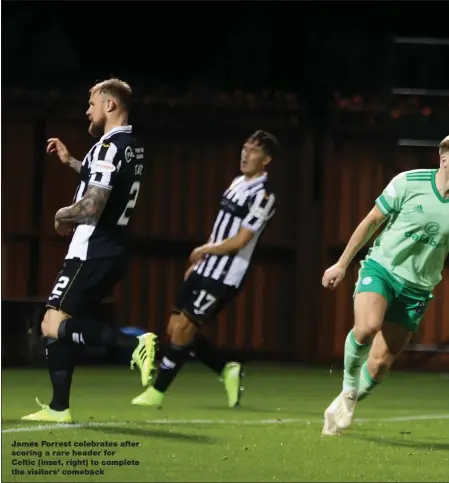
120 90
444 145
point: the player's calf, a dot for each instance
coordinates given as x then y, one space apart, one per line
177 353
369 312
85 329
388 344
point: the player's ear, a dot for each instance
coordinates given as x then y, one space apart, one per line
266 161
111 104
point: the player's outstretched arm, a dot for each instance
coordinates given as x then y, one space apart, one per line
88 209
55 145
362 234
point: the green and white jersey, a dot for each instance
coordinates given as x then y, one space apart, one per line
415 242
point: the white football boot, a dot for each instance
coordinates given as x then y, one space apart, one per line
344 413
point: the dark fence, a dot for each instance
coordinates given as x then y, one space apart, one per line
325 182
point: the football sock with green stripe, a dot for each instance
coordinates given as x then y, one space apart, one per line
366 383
355 356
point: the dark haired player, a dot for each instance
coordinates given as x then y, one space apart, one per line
217 272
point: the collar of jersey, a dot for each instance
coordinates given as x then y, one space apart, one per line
435 189
255 180
114 130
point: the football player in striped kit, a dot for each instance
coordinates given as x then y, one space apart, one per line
217 271
109 183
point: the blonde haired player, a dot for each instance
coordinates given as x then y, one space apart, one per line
98 220
395 281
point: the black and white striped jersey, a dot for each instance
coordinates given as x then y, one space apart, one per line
247 204
115 163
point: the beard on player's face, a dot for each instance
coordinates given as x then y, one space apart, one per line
96 128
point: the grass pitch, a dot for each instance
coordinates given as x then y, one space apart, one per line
401 433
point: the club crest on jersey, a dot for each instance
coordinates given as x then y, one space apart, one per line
102 167
129 155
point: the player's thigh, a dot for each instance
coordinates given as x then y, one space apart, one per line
372 296
59 306
79 287
388 344
104 275
369 313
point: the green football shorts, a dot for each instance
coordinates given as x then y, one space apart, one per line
406 305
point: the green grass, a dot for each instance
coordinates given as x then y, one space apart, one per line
231 444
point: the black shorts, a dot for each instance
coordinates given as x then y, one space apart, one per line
201 298
82 284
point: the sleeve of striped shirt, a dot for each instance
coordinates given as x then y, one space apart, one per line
105 166
260 211
392 197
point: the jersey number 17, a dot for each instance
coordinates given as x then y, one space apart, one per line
133 195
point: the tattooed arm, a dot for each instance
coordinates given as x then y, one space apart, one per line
88 209
55 145
75 164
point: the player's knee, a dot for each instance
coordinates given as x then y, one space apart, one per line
369 311
169 330
51 322
365 330
182 330
172 323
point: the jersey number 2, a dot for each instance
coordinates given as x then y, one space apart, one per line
59 287
133 194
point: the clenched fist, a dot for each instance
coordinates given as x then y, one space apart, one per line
333 276
64 228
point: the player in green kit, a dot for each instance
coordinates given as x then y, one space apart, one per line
395 281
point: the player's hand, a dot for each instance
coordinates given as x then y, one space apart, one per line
55 145
197 254
63 228
333 276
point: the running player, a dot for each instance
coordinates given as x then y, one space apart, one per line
395 281
217 272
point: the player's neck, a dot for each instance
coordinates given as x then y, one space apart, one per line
113 123
442 182
249 177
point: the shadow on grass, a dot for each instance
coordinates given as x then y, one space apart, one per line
238 410
404 443
153 433
15 426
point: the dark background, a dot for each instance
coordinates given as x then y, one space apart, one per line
328 78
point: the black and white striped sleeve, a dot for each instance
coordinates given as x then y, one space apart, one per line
260 211
105 166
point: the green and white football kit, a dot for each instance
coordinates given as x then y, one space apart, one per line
404 265
407 259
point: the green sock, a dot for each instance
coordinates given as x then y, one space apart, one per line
355 356
366 383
